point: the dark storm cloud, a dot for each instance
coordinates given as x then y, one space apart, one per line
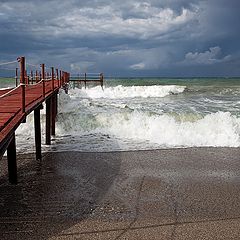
167 37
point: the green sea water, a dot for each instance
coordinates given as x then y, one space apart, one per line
205 95
176 81
7 82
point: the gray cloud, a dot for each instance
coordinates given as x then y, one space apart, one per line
211 56
124 38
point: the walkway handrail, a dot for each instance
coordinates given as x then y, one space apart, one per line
34 78
87 78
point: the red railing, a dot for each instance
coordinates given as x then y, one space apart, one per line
85 78
35 78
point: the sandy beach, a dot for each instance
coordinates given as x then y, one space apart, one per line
190 193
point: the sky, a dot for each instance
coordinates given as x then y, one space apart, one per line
166 38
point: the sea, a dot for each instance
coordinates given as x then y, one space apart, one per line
142 113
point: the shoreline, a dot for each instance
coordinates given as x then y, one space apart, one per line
130 150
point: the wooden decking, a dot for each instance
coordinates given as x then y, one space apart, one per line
10 106
17 103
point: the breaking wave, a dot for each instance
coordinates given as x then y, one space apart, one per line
87 115
120 91
219 129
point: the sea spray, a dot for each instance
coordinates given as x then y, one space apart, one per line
216 129
139 117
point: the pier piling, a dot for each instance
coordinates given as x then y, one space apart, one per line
12 160
37 126
48 120
53 113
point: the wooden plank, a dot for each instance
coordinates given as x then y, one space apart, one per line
5 119
10 109
6 115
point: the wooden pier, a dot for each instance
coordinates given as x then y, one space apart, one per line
17 103
86 78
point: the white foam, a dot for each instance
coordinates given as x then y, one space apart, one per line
80 117
120 91
217 129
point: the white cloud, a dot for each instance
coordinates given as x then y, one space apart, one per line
138 66
211 56
108 20
143 19
132 19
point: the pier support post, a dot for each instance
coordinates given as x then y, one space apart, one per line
54 109
16 77
48 120
37 126
12 161
56 105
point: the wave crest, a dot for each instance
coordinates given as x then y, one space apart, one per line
219 129
120 91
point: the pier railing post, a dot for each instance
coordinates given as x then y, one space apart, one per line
101 79
22 81
16 77
12 160
57 77
43 79
60 76
31 76
36 76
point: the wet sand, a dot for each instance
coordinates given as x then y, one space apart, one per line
180 194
